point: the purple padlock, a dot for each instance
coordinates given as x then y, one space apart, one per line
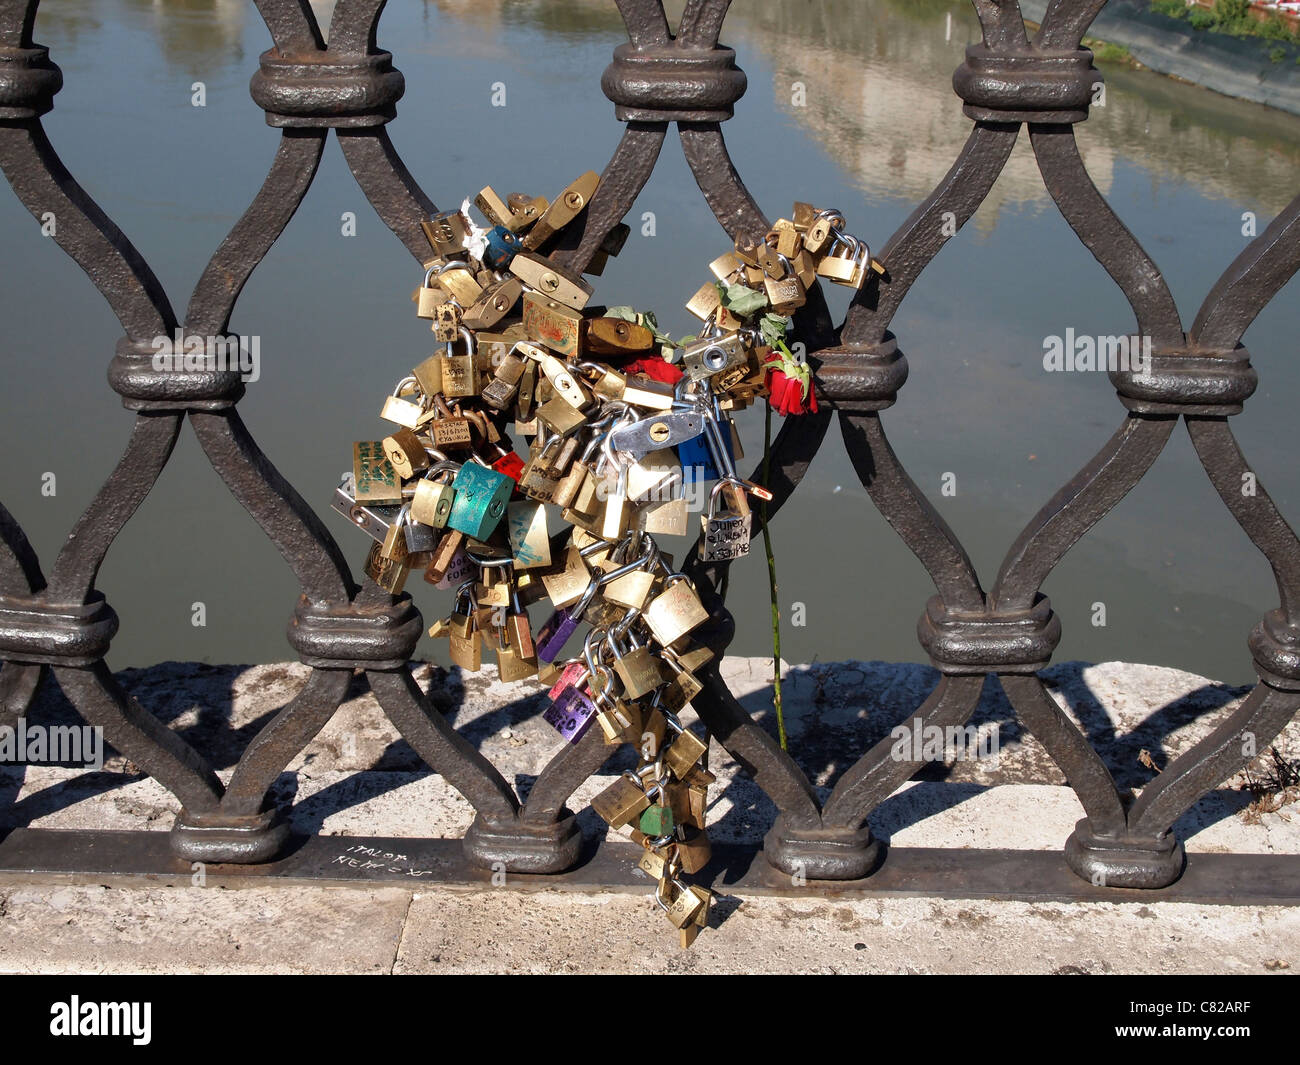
555 633
571 714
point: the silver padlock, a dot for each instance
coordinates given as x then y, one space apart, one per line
727 535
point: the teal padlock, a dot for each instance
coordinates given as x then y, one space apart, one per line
480 501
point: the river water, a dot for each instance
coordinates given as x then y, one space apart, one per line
879 127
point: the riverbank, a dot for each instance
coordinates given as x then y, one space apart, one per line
1248 68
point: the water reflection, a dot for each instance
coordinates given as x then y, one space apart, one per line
880 99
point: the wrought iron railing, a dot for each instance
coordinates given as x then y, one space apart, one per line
54 622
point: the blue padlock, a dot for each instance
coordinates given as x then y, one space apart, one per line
697 460
480 500
501 248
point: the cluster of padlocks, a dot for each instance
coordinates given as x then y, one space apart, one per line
620 418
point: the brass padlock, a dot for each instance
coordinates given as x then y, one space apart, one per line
459 374
431 504
447 233
405 453
785 292
638 669
684 753
374 479
497 300
389 574
562 210
676 611
553 324
401 410
617 337
551 280
621 802
450 429
848 262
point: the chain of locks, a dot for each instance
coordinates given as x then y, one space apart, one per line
620 419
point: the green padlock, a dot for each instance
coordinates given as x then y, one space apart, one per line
480 502
657 821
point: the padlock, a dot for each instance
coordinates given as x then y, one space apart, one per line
614 519
689 805
616 336
428 375
405 453
622 802
669 518
389 573
449 429
497 300
431 503
421 540
518 630
683 687
447 321
530 541
525 400
561 625
501 246
693 847
429 296
374 480
466 639
501 391
450 564
655 432
535 481
397 408
656 476
848 262
525 210
785 292
562 210
560 417
551 280
393 546
580 471
553 324
459 373
684 752
726 534
447 233
480 501
708 356
822 231
675 611
566 585
571 712
637 670
512 666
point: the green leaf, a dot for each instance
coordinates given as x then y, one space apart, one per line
743 301
773 327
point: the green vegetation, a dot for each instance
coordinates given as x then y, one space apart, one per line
1232 17
1105 52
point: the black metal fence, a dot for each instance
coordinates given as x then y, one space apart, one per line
53 623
